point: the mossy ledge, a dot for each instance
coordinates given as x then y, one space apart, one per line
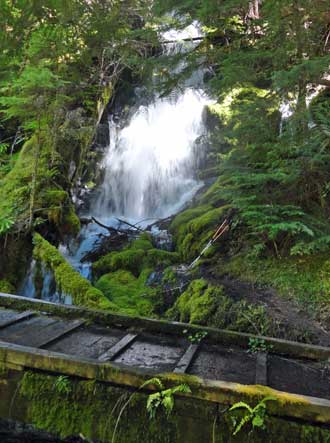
91 409
68 280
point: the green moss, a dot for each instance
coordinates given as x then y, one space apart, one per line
157 257
206 304
51 204
193 228
130 260
169 276
91 409
70 223
6 287
127 292
198 302
143 242
305 279
67 279
214 195
137 256
186 216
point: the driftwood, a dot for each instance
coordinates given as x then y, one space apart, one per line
187 39
109 228
116 240
129 224
118 236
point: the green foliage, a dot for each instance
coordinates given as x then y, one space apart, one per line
169 276
6 287
264 54
258 345
164 399
5 224
62 384
59 67
254 415
197 337
303 278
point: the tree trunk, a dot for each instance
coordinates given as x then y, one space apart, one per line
34 176
254 9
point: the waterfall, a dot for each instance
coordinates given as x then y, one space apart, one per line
151 161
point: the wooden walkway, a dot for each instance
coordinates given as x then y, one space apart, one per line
71 340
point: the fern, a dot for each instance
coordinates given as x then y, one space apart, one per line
5 224
164 398
254 415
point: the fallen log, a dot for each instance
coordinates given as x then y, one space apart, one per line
109 228
129 224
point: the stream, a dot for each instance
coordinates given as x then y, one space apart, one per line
150 165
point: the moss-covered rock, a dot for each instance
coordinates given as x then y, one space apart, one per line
68 280
198 303
129 259
129 293
140 254
206 304
193 228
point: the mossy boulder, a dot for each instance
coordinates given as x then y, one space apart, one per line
129 259
127 292
198 302
193 228
140 254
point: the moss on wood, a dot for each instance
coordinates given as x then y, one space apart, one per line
68 280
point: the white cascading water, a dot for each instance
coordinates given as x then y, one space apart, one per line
150 165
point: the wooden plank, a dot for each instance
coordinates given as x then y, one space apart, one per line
27 332
58 331
261 369
119 347
20 316
225 337
90 341
186 359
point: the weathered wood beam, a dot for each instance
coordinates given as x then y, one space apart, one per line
261 369
17 318
57 335
118 348
186 360
187 39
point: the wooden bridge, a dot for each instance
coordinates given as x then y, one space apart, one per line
125 351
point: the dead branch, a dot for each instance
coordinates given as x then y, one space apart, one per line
129 224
